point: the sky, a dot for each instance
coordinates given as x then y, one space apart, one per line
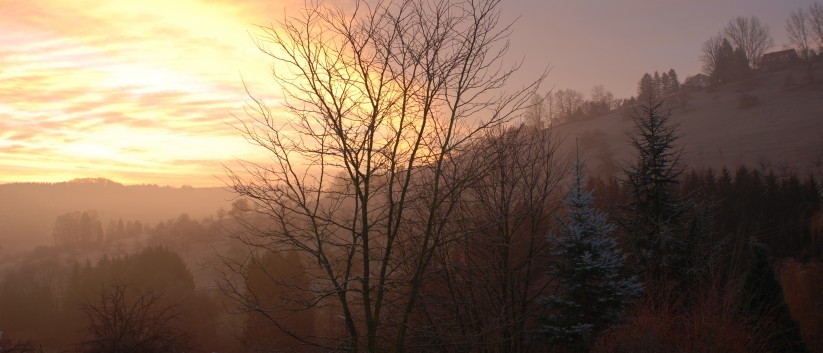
148 91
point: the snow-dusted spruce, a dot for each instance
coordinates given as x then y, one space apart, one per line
590 267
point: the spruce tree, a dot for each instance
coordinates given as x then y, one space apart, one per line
732 64
645 87
665 84
591 270
675 82
658 82
656 216
762 301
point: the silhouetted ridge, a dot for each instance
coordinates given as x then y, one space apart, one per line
93 181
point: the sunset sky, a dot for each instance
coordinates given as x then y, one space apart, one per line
145 91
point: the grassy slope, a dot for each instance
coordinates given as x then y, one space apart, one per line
783 132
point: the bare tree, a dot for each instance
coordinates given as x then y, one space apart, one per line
569 103
551 108
751 36
127 321
603 97
369 158
816 22
539 111
712 53
798 26
485 285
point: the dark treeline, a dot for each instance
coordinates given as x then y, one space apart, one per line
56 305
777 212
85 229
505 284
746 208
51 302
26 223
368 235
780 212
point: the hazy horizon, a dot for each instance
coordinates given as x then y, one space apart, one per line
411 175
145 92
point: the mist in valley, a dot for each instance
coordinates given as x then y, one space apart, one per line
407 184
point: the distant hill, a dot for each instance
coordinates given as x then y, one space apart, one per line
28 210
773 121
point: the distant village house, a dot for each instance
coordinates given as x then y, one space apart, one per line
778 60
697 81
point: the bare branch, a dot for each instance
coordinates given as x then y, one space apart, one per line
751 36
371 155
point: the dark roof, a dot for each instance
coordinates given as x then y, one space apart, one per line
783 55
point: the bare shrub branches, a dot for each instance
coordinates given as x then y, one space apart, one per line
121 320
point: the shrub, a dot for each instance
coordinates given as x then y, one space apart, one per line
665 323
802 285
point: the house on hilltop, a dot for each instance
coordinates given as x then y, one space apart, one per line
778 60
697 81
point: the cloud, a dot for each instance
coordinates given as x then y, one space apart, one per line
21 136
136 89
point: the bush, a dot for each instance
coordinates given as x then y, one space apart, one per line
802 285
664 323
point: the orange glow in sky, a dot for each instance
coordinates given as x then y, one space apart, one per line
135 91
145 91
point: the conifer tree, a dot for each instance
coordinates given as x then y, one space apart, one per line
591 269
674 81
645 88
731 64
656 219
658 82
665 84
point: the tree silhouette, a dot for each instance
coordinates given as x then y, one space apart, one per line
751 37
122 320
382 102
656 213
274 308
800 27
482 287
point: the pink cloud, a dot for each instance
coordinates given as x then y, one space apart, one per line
121 87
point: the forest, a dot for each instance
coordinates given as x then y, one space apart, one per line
413 202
